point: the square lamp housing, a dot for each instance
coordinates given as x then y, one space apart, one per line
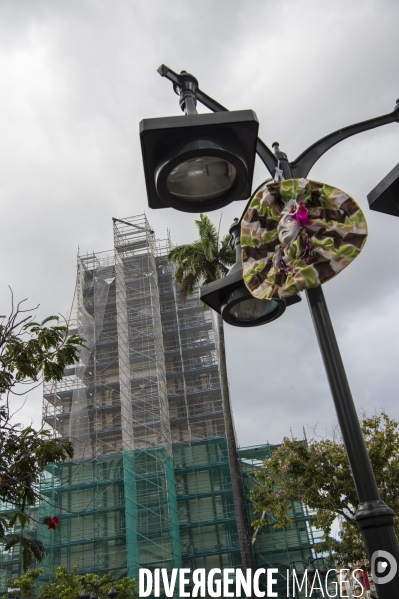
199 162
385 196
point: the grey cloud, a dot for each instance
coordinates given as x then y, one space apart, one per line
78 77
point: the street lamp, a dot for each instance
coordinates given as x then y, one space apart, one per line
385 196
198 162
95 587
373 517
310 570
229 296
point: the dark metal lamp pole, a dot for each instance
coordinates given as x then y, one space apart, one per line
310 570
374 518
95 587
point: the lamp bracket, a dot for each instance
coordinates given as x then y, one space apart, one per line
264 153
184 85
301 166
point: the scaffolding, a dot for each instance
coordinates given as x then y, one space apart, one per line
149 484
89 498
146 380
194 394
208 529
10 561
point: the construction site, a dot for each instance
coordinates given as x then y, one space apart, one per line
149 484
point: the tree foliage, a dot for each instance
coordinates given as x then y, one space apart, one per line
23 586
203 261
30 352
68 585
318 474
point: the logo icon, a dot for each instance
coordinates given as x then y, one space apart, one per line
383 566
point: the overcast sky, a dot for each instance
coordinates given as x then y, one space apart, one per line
76 79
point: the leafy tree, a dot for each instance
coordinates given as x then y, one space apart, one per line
29 353
199 263
318 474
24 585
69 585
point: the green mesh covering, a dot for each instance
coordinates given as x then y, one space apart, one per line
11 561
152 531
149 485
145 509
208 531
89 499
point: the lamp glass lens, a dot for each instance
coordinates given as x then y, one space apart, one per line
252 309
201 179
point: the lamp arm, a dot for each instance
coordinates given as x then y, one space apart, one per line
301 166
165 71
264 153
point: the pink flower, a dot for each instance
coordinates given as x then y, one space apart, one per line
301 215
297 211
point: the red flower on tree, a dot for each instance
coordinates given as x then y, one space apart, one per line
52 522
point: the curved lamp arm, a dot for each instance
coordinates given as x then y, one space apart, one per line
264 153
301 166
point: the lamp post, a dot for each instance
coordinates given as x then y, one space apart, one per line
198 162
95 587
373 517
310 570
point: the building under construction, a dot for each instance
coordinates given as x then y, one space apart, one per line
149 485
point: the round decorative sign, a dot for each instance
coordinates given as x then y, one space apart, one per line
298 234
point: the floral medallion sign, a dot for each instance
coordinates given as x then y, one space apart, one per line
298 234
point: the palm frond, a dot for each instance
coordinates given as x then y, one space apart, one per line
208 235
180 252
190 281
182 255
203 261
187 258
227 256
187 267
210 274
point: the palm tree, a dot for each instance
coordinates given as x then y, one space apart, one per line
199 263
